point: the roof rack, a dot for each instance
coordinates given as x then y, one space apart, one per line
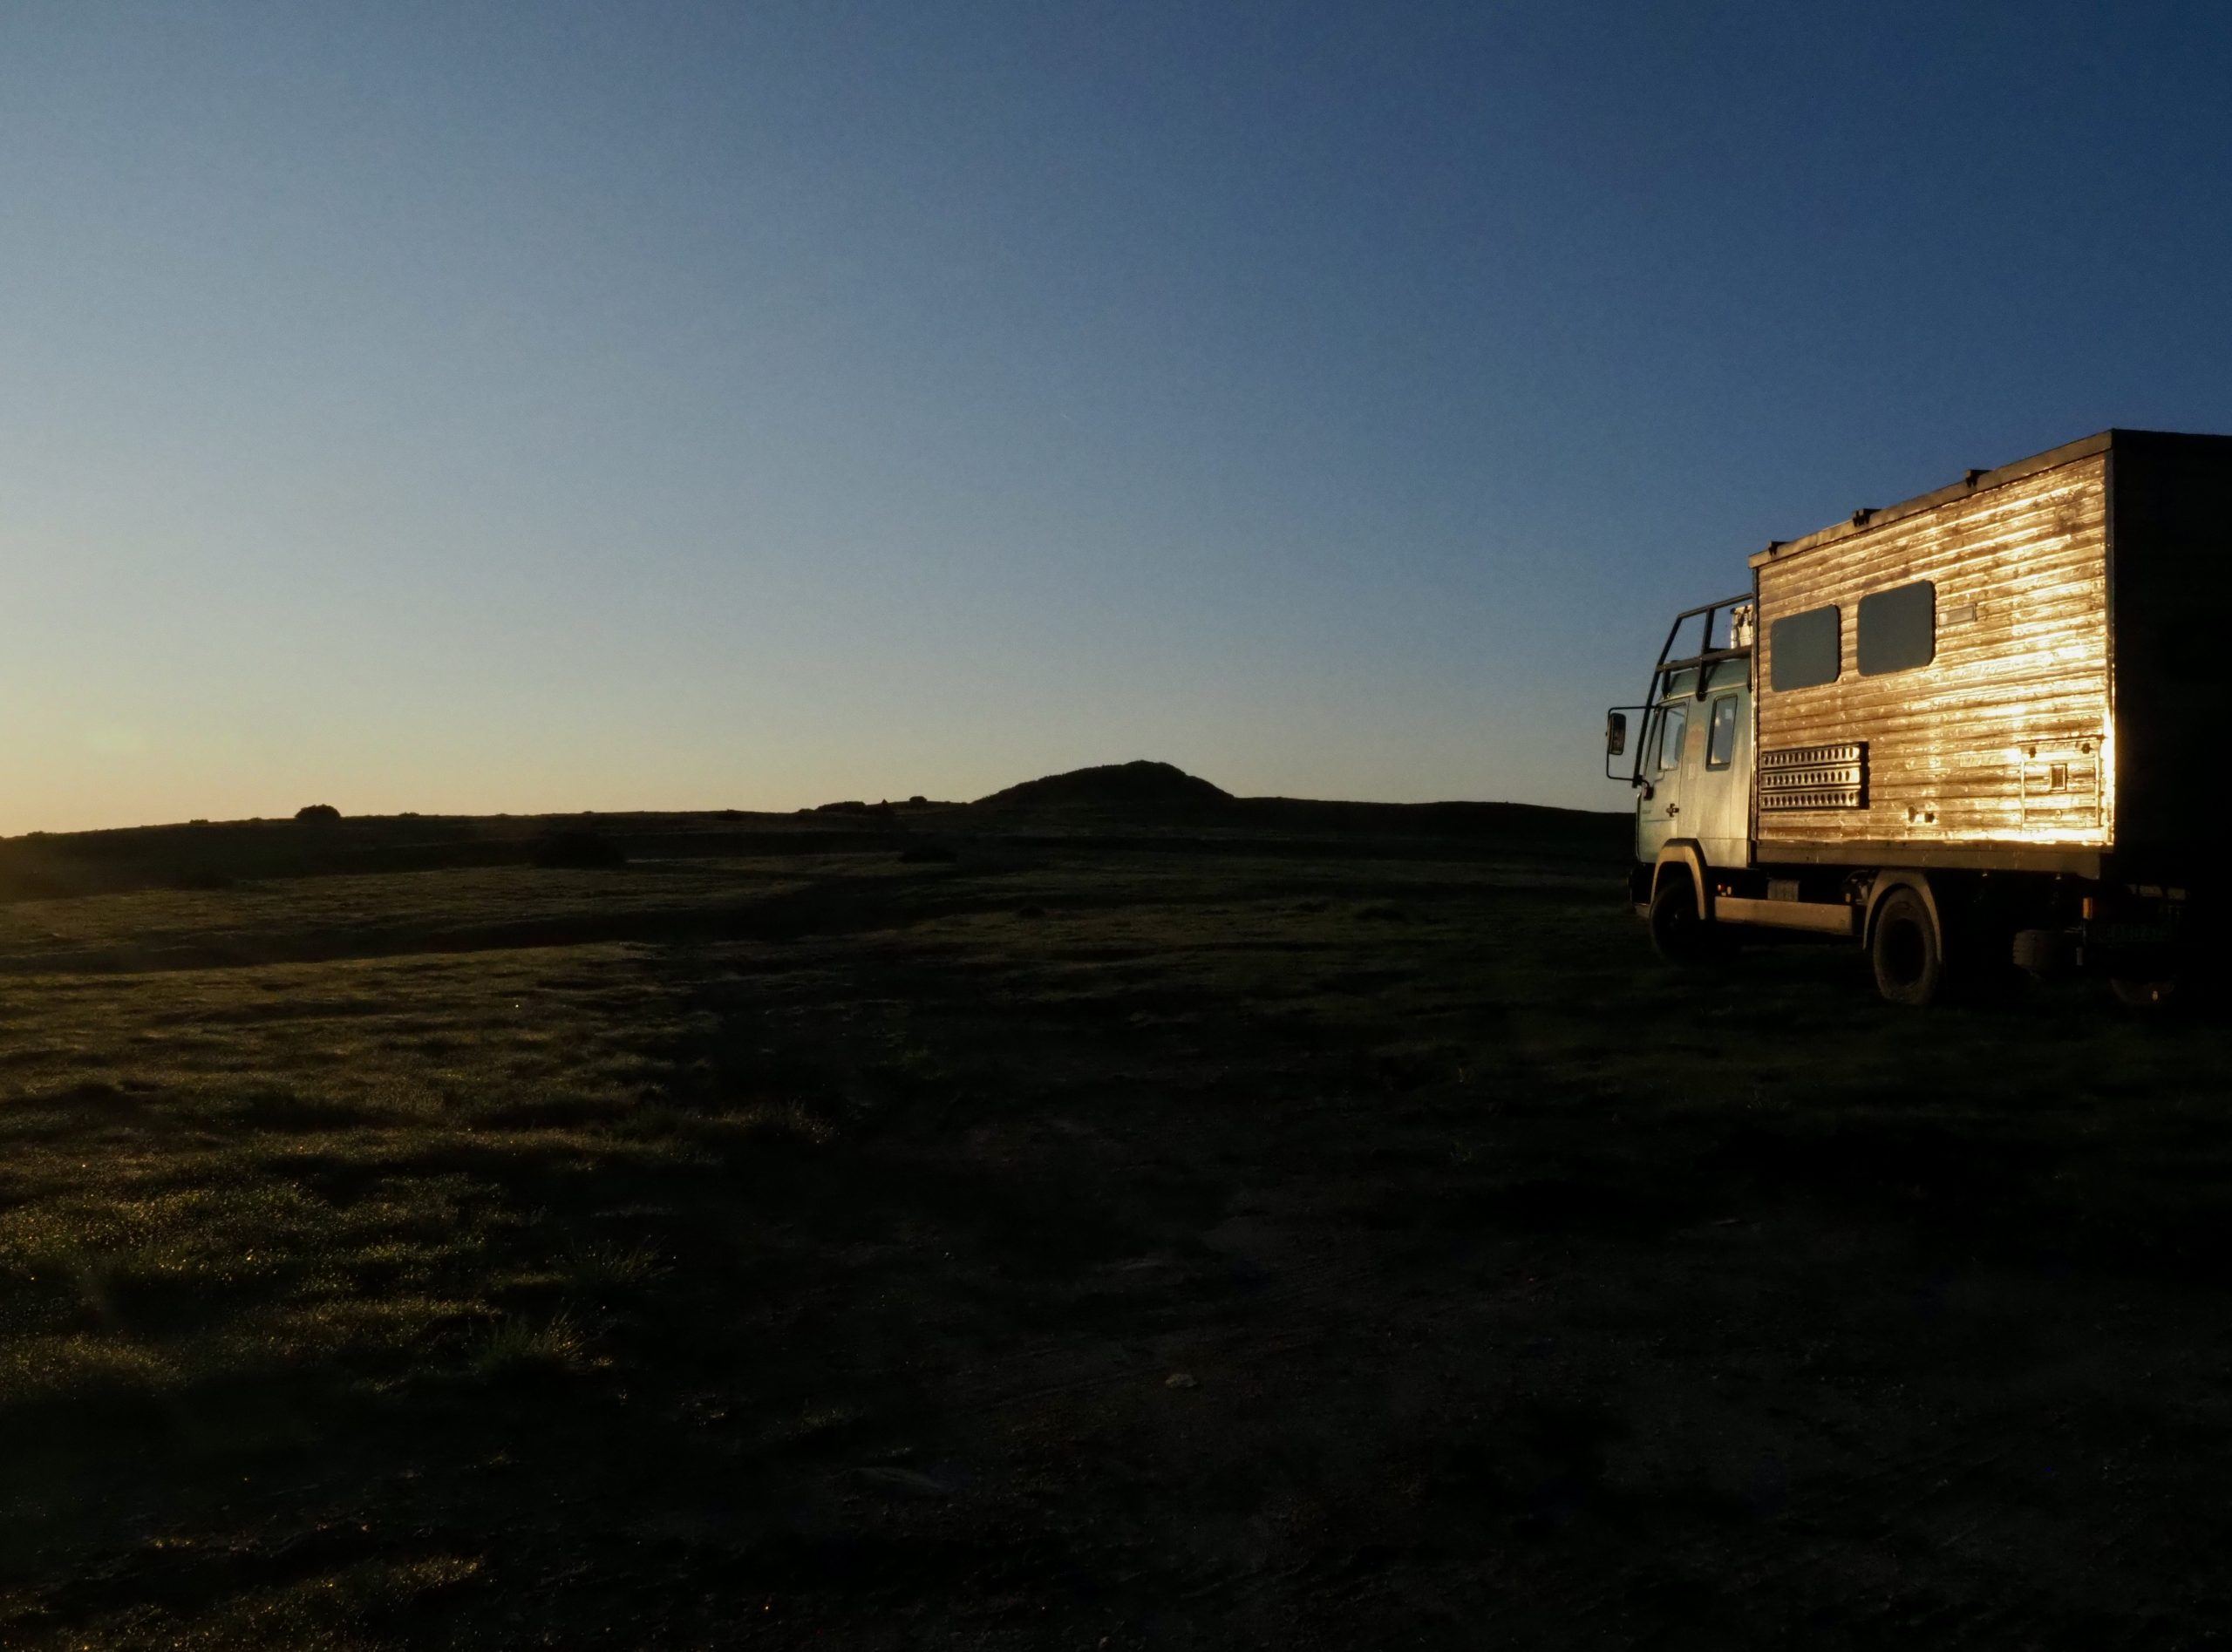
1710 656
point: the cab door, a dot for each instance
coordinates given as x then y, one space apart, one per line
1717 791
1659 805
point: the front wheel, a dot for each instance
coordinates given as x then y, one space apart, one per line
1677 933
1909 962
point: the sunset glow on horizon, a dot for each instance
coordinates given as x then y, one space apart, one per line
466 410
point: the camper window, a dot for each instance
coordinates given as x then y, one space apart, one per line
1802 649
1898 629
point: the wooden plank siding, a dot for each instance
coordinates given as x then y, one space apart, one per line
2002 739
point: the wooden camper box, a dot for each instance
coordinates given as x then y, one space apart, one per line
2064 712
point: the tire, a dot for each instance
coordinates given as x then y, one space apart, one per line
1678 934
2150 992
1910 958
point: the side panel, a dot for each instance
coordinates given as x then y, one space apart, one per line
1999 738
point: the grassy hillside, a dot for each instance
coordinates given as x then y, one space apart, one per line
1138 1240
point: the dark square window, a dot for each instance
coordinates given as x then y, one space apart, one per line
1802 649
1898 629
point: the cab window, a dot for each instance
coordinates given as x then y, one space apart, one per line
1673 723
1720 737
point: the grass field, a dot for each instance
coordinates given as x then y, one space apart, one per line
1265 1241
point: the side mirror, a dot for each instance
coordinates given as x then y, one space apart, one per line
1616 733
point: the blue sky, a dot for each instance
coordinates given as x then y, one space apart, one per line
535 407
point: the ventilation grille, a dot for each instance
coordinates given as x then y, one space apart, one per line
1813 777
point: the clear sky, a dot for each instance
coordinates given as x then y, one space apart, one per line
546 406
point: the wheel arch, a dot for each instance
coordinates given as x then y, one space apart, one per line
1688 855
1902 878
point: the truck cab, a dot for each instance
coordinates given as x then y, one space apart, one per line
1698 744
1692 761
1689 746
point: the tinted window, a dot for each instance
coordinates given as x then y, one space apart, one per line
1673 722
1898 629
1720 738
1803 649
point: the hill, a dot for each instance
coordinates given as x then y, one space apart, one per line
1138 788
1159 797
1139 803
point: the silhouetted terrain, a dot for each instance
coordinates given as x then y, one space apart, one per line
1154 789
1060 1223
1153 798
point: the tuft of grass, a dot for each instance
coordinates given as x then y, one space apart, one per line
514 1349
83 1365
594 1270
653 1121
778 1123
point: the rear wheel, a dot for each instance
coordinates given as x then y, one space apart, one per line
2146 992
1679 936
1908 958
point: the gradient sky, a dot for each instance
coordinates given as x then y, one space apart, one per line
528 407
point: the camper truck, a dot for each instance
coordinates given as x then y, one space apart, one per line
1972 733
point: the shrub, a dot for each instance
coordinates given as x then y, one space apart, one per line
317 812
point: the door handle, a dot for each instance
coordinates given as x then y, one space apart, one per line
1673 809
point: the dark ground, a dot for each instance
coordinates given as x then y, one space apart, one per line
1127 1238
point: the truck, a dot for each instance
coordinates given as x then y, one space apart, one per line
1973 734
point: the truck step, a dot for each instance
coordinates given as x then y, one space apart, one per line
1822 917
